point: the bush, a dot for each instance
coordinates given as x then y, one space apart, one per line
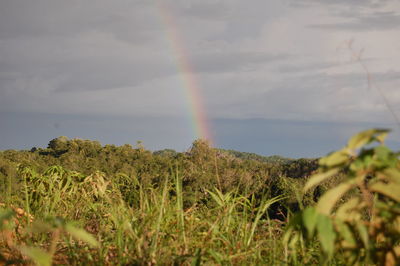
360 217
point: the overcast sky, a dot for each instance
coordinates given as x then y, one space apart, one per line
276 76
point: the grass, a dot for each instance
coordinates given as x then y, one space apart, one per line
140 225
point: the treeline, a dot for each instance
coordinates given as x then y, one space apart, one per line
202 167
257 157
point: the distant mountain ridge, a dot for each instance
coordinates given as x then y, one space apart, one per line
257 157
237 154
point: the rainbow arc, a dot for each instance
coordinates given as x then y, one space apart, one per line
191 85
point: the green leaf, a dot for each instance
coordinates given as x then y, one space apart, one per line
357 165
335 159
345 232
363 232
294 241
366 160
382 136
360 139
390 190
343 211
319 177
310 216
265 204
366 137
218 257
329 199
326 234
393 175
197 258
81 234
39 256
294 222
382 153
217 197
5 215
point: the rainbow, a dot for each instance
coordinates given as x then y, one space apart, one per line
191 87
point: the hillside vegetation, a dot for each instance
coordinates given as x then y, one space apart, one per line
78 202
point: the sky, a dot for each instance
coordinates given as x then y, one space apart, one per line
289 77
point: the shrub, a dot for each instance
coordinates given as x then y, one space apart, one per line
360 217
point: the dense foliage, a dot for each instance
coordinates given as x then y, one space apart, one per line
360 217
78 202
201 167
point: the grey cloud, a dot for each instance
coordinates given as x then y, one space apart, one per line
385 76
111 75
245 21
355 15
341 3
375 21
21 18
310 97
101 71
55 46
107 75
206 10
307 67
232 61
81 73
330 83
48 40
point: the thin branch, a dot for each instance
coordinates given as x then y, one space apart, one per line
371 84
